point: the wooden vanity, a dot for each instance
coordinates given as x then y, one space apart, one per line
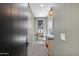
50 44
50 47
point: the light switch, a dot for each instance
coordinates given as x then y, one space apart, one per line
62 36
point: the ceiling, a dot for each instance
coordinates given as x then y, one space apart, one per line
40 9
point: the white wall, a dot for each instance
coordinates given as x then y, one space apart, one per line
66 21
30 26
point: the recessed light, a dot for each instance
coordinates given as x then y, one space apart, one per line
41 5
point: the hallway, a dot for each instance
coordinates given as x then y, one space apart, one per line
39 29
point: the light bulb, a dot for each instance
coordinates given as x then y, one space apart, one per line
50 13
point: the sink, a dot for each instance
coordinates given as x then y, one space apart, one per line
50 36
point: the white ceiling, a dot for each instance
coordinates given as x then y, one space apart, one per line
39 11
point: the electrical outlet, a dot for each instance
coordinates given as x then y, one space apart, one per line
62 36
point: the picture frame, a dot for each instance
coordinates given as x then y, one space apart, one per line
40 24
